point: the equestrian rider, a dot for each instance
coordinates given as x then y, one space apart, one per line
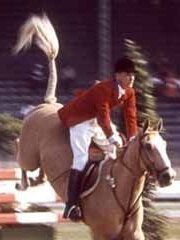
83 114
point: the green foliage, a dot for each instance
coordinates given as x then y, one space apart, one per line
9 130
146 102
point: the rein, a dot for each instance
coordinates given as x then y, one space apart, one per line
130 211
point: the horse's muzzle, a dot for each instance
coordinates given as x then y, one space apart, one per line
166 177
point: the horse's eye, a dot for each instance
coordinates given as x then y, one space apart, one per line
149 146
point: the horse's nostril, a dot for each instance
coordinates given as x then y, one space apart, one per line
166 176
165 179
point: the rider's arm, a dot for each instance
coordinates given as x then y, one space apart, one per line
103 118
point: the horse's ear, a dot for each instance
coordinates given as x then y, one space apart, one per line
159 125
146 125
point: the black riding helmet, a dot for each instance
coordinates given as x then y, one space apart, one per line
124 65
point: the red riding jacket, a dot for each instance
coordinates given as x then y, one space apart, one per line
97 102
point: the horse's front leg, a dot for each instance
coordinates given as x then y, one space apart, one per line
103 235
133 227
38 180
24 184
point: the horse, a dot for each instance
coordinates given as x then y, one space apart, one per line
113 208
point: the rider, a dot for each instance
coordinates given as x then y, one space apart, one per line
92 108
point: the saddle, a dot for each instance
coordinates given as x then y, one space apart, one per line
96 154
98 148
92 171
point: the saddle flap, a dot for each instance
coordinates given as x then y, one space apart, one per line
95 153
90 176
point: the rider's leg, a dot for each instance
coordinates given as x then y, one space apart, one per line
71 210
80 139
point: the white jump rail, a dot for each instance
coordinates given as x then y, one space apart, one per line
9 174
41 195
31 218
169 193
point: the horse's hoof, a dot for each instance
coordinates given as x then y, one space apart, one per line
21 187
74 213
34 182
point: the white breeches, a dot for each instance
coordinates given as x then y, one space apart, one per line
80 139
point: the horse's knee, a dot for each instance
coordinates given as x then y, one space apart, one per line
139 235
133 232
134 235
105 235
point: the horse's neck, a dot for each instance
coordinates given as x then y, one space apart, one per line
129 175
131 158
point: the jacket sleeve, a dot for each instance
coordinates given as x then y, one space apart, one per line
130 114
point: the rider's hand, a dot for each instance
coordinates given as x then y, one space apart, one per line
116 140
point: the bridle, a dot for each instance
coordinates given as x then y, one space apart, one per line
130 211
149 163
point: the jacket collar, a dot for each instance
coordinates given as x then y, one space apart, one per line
118 89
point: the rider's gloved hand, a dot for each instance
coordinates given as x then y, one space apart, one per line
116 140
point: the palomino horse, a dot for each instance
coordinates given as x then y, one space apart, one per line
113 209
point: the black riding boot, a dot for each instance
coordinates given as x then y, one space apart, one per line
72 210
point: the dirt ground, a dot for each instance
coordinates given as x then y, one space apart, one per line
78 231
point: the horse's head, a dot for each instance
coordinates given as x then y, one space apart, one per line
154 154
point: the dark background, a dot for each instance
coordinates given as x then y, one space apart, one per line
154 25
91 35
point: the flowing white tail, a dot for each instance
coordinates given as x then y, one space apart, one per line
40 30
